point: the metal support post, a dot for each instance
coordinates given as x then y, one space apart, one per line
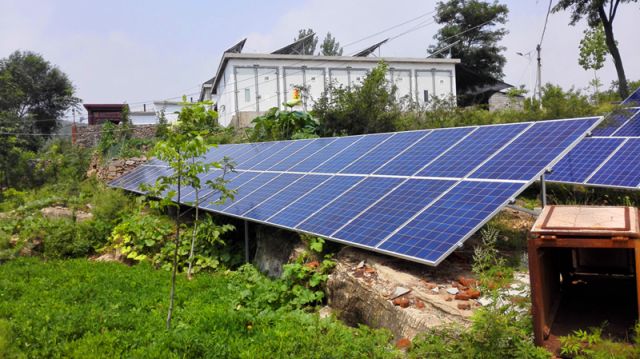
543 191
246 241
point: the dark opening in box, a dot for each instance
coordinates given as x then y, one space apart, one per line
589 287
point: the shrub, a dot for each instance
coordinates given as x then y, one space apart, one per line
141 236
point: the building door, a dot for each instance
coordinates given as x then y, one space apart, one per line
268 88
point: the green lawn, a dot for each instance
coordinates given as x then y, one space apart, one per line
84 309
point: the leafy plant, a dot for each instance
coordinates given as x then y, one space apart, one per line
141 236
282 125
488 264
590 344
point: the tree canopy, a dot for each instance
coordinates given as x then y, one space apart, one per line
470 33
600 12
33 89
330 47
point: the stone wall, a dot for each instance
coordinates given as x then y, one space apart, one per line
114 168
89 136
501 101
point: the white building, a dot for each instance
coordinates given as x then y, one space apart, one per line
246 85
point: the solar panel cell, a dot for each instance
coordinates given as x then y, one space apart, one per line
252 199
623 169
392 211
335 214
613 122
345 158
373 160
424 151
585 158
306 205
472 151
631 128
326 153
533 150
285 197
296 157
437 230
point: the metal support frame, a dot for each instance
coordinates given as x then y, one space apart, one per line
543 191
246 241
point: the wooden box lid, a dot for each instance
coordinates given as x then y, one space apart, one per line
575 221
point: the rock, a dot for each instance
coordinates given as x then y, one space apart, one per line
325 312
129 162
274 248
467 282
403 343
473 293
366 300
400 291
360 265
435 290
453 291
449 298
462 296
402 302
484 301
464 306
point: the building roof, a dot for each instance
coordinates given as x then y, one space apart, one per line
103 106
408 60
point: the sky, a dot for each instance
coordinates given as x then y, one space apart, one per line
140 51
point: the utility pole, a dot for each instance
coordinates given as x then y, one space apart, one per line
74 130
539 76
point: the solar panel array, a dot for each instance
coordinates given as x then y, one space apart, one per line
417 195
610 157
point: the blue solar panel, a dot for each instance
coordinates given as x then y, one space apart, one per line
252 151
450 220
623 169
337 213
585 158
377 157
372 211
285 197
326 153
291 148
613 122
424 151
472 151
293 159
190 196
250 200
535 149
345 158
392 211
631 128
306 205
633 99
267 150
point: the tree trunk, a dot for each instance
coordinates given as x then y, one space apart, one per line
615 53
175 261
193 237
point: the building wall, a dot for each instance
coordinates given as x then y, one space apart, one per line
501 101
145 118
255 85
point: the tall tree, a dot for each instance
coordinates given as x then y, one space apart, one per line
593 52
31 89
600 12
470 33
330 47
309 46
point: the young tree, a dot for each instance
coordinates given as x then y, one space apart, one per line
33 89
593 52
600 12
471 34
370 107
183 149
330 47
309 46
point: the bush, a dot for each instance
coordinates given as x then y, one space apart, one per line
141 236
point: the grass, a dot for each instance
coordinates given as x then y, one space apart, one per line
78 308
